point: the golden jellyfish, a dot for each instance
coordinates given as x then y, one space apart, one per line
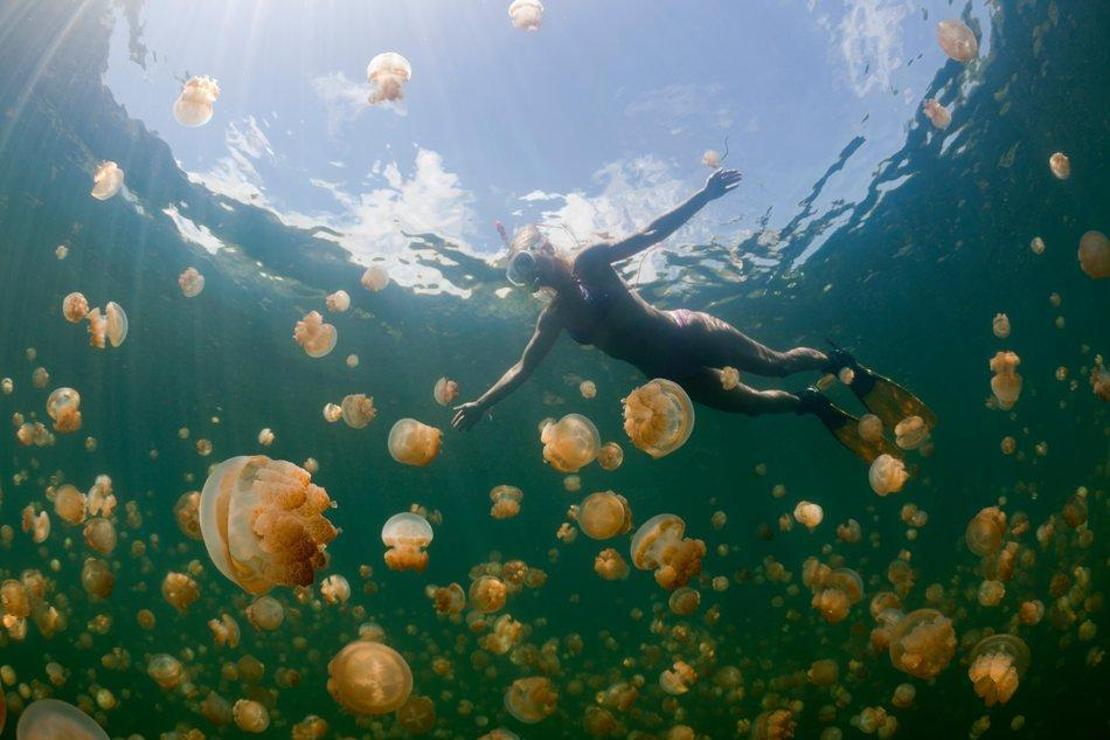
50 719
808 514
588 389
414 443
488 594
447 600
506 502
193 106
180 591
570 444
369 678
338 302
406 535
991 593
317 338
922 643
985 531
1060 166
658 417
335 589
387 74
887 475
100 535
504 636
225 631
250 716
1094 254
610 565
107 180
263 523
911 433
97 578
957 41
531 699
870 428
266 437
997 664
526 15
1006 383
445 391
659 545
7 386
711 158
417 716
63 406
375 278
69 504
684 601
165 670
75 307
937 114
610 456
1001 325
357 410
265 613
775 724
1100 380
823 672
187 513
604 514
678 679
191 282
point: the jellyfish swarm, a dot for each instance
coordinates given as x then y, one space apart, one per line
527 15
570 444
64 407
263 523
75 307
1006 383
506 502
658 417
997 664
317 338
957 41
937 114
369 678
191 282
922 643
107 180
413 443
531 699
1094 254
50 719
193 106
659 545
406 535
887 475
604 514
387 73
445 391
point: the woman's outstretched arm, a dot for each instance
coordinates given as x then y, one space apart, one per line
719 183
543 339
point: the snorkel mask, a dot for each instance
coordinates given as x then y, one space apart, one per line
523 270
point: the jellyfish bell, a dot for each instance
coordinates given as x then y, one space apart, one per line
263 523
659 545
75 307
526 15
1094 254
937 114
531 700
887 475
64 407
369 678
997 664
375 279
711 159
604 514
1060 166
194 105
50 719
571 443
658 417
870 428
107 180
316 337
387 74
414 443
808 514
445 391
957 41
115 326
406 535
506 501
338 302
357 410
911 433
191 282
1007 382
922 643
985 531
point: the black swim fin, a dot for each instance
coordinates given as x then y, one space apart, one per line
882 396
844 427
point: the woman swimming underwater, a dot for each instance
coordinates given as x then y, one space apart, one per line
594 305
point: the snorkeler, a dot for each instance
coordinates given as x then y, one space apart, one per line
595 306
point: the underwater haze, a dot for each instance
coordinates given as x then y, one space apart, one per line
242 243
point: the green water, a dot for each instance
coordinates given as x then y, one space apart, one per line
910 281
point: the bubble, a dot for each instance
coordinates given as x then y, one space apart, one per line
338 302
532 699
610 565
1060 166
506 501
997 664
659 545
191 282
911 433
937 114
870 428
957 41
445 391
317 338
610 456
985 531
1094 254
387 73
50 719
193 106
263 522
658 417
414 443
75 307
570 444
406 535
64 407
808 514
887 475
375 278
922 643
526 15
369 678
107 180
604 514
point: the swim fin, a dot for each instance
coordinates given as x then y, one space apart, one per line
882 396
844 427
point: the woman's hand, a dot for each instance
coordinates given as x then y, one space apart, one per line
467 415
721 182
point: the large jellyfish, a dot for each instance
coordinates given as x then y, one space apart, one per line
887 475
658 417
937 114
263 522
604 514
413 443
1006 383
527 15
64 407
193 106
191 282
387 73
997 663
922 643
107 180
957 41
317 338
369 678
531 699
659 545
1094 254
50 719
75 307
406 535
357 410
571 443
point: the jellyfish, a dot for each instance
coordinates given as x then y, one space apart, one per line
445 391
911 433
100 535
338 302
1001 325
488 593
1094 254
610 565
531 699
109 327
684 601
387 74
712 159
357 410
406 535
69 504
193 106
659 545
1100 381
369 678
526 15
97 578
449 600
250 716
375 278
937 114
588 389
75 307
504 636
333 412
180 591
265 613
317 338
225 631
165 670
191 282
263 523
1006 383
570 444
335 589
506 502
64 407
610 456
417 716
413 443
957 41
808 514
604 514
991 593
1060 166
50 719
985 531
870 428
658 417
887 475
997 664
922 643
678 679
107 180
775 724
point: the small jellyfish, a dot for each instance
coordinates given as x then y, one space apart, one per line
107 180
369 678
570 444
387 74
957 41
678 679
266 437
417 716
357 410
588 389
610 456
870 428
991 593
1001 325
333 412
887 475
338 302
406 535
911 433
100 535
1060 166
335 589
449 600
165 670
69 504
109 327
445 391
526 15
1100 381
193 106
531 699
712 159
191 282
506 502
225 631
413 443
1094 254
808 514
658 417
75 307
937 114
604 514
180 591
985 531
265 613
317 338
61 251
659 545
997 664
922 643
684 601
64 407
1037 245
50 719
375 278
263 523
250 716
97 578
488 594
1006 383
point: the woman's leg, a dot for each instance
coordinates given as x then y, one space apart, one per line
717 344
705 387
